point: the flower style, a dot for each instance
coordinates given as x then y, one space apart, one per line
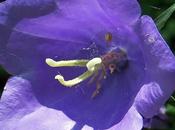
118 67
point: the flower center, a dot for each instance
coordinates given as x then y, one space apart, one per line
113 61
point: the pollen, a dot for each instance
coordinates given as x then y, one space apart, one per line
115 60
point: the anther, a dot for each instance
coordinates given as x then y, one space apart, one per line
112 68
108 37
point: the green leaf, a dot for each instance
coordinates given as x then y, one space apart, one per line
164 16
170 109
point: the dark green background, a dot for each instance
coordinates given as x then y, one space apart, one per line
152 8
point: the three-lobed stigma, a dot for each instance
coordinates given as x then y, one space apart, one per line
91 65
113 61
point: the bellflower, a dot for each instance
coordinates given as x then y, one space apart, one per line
111 66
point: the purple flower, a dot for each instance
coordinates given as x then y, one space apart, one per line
138 65
159 121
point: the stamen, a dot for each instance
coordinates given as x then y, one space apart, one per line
92 66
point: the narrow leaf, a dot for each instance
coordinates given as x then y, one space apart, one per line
164 16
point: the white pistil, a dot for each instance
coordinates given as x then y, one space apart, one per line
53 63
74 81
92 66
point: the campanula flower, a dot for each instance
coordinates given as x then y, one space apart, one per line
81 65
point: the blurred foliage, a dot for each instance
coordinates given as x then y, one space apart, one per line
152 8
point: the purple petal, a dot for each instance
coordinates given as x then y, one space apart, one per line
67 33
59 28
131 121
157 52
78 99
10 10
44 118
159 121
16 96
160 67
112 8
126 11
150 97
20 110
61 25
